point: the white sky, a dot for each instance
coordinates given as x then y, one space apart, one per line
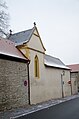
57 22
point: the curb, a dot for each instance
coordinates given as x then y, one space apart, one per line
45 105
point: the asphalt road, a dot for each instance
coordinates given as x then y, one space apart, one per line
65 110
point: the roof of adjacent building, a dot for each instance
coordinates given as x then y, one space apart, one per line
21 37
8 48
74 67
54 62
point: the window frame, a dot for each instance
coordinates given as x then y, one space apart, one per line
36 66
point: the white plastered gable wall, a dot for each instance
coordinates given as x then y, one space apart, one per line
36 84
35 42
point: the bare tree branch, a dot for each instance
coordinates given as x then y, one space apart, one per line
4 18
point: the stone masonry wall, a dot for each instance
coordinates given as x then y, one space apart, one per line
13 93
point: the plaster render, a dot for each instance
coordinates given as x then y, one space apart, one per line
35 43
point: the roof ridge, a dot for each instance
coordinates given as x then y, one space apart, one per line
22 31
52 56
72 64
6 40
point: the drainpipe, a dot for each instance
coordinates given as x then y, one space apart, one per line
62 82
28 82
71 83
62 85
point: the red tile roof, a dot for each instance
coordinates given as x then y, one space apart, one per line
8 48
74 67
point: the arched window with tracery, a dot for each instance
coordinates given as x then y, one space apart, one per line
36 62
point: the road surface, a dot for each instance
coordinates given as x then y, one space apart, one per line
65 110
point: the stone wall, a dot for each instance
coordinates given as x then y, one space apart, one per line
74 82
13 93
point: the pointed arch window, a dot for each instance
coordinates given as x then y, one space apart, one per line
36 62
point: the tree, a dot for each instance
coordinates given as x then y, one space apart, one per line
4 18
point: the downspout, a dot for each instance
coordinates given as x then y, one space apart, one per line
62 82
62 85
28 82
71 82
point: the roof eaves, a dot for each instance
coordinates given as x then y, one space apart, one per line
12 58
59 67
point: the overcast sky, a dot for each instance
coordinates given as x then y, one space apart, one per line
57 22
